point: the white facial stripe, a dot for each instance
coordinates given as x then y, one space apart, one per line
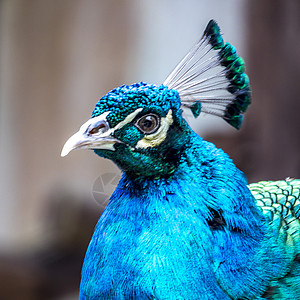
127 120
152 140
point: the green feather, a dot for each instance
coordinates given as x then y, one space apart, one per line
196 109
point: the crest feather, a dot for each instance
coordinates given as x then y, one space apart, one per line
211 79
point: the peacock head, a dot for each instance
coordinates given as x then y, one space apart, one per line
140 126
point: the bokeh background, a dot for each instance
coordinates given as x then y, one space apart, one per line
58 57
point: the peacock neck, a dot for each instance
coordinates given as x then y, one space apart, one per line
205 179
198 215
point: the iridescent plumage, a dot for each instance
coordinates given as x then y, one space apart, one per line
183 223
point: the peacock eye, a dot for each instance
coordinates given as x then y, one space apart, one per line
148 123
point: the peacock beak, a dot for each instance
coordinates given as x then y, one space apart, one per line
94 134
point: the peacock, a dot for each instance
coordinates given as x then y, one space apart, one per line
183 222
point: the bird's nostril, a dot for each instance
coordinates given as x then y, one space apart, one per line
101 127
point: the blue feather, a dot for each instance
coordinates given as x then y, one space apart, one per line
183 222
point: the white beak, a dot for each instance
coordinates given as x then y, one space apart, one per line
94 134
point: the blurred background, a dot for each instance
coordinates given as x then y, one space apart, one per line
59 57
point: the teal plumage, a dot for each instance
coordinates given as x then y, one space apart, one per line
183 222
